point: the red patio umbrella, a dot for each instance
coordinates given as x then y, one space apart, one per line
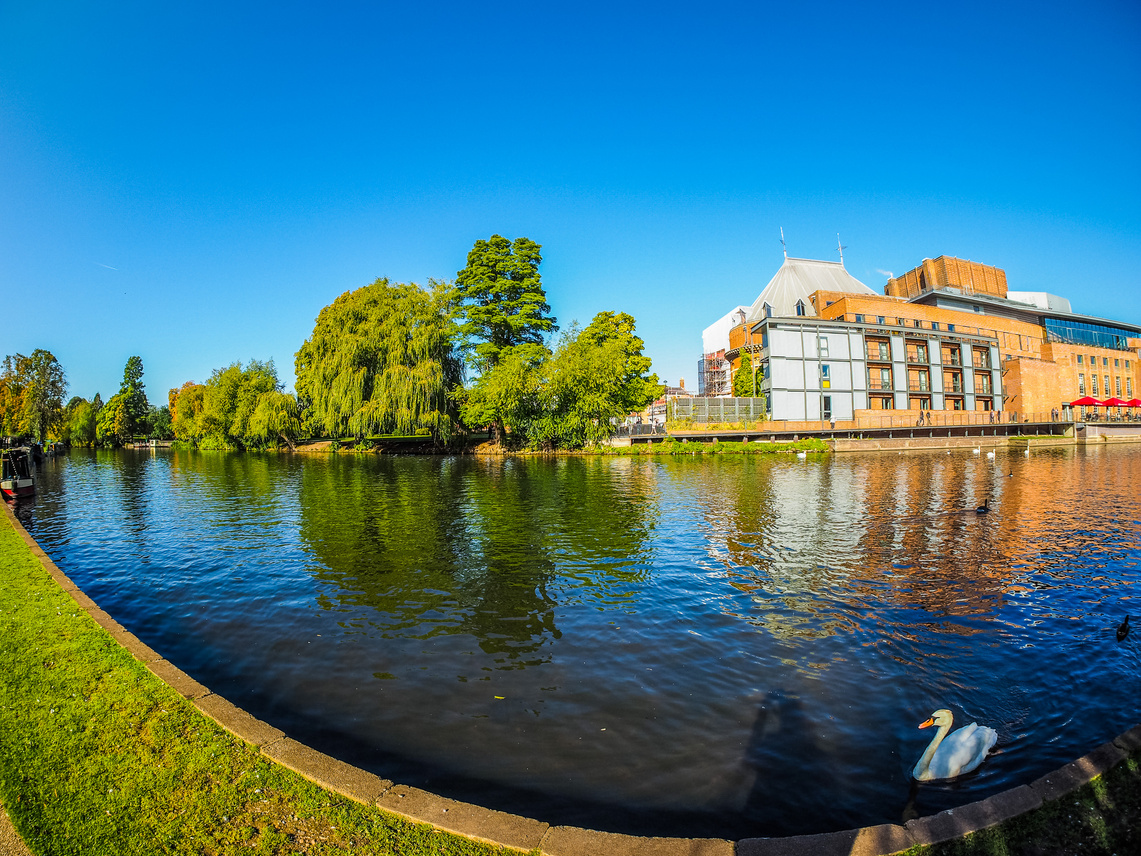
1133 402
1087 401
1115 402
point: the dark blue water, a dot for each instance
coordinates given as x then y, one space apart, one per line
700 646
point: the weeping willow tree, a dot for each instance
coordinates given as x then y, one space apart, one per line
275 417
381 361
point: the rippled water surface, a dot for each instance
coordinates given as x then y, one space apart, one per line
702 646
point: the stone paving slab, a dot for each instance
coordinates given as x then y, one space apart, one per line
495 827
83 600
328 772
1069 778
104 620
177 679
957 822
1130 741
135 646
572 841
11 844
62 579
237 721
869 841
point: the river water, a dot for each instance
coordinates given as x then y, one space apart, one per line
725 646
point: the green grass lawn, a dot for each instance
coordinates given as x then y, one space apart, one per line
98 756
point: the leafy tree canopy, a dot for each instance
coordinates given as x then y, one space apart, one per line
745 379
502 299
381 361
31 395
596 378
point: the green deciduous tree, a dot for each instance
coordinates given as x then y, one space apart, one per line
31 395
79 422
745 379
508 395
502 299
230 398
596 378
186 404
381 361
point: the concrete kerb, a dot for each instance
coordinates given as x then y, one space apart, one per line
524 833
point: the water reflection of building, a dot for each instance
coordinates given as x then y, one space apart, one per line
946 336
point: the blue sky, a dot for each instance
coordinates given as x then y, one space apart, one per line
192 183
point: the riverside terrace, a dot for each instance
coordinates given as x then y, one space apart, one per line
906 428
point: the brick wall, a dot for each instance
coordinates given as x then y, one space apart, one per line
931 274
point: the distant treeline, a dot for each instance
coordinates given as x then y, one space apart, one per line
387 359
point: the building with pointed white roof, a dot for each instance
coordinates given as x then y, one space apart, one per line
788 292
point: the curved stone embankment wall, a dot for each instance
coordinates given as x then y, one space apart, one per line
524 833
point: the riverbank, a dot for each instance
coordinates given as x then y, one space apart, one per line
97 755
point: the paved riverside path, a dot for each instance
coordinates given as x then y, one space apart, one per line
10 842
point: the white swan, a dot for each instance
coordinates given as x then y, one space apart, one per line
802 455
975 451
990 455
959 753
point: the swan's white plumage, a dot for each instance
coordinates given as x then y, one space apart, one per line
950 755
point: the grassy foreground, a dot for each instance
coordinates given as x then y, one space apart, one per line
98 756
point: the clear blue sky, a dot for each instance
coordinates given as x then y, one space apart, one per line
193 182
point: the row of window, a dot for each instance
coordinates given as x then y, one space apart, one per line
880 351
902 322
1093 387
1104 362
885 402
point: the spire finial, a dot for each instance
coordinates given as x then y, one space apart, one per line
841 248
782 243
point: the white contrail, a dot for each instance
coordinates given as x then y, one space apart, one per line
106 266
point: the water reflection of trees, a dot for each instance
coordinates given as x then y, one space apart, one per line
430 547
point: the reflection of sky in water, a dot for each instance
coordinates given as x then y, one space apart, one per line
729 646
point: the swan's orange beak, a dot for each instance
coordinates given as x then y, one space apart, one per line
931 721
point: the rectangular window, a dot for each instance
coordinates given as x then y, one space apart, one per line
859 319
899 321
825 376
1129 387
880 320
1117 385
1093 380
1105 362
1127 365
1081 385
1079 359
934 325
822 343
1107 384
826 408
950 328
1117 364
